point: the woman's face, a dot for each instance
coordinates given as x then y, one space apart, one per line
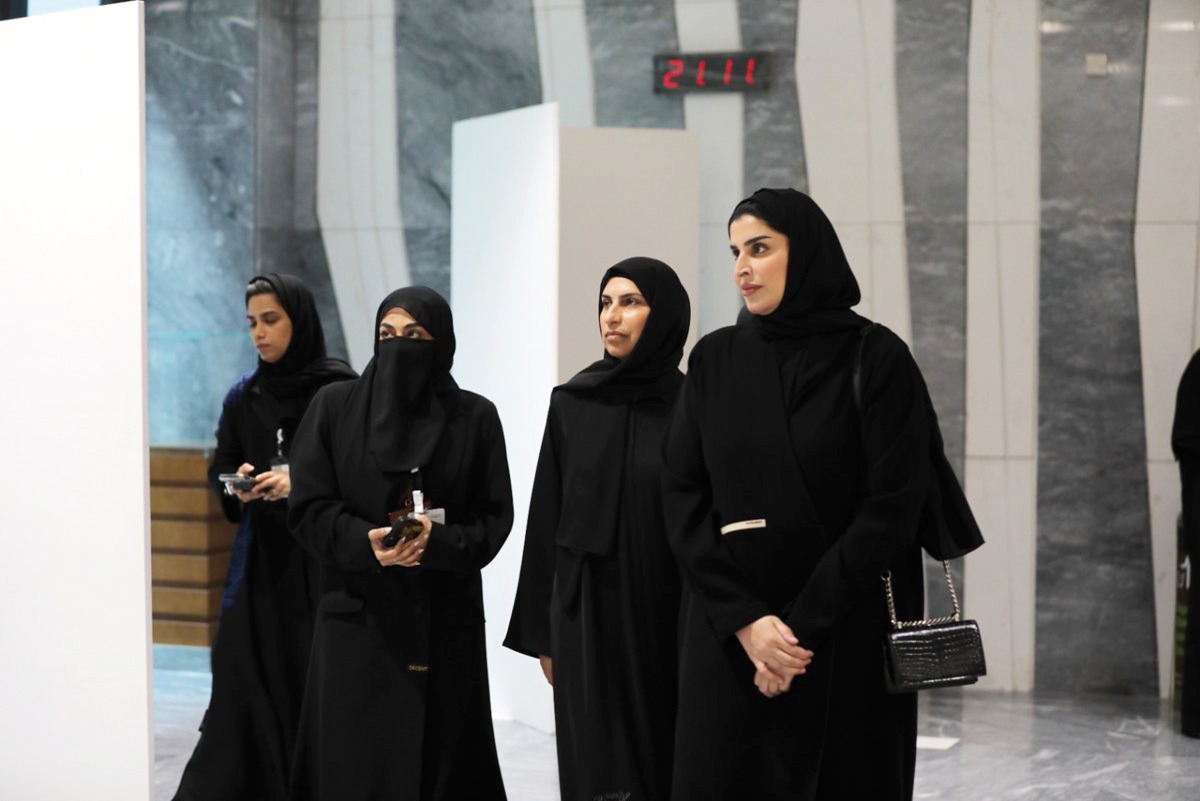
760 263
399 323
623 313
270 326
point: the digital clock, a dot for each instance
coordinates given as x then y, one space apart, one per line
711 72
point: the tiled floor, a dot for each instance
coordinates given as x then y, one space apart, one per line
975 746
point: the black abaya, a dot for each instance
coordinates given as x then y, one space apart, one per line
1185 440
260 655
767 434
599 589
397 703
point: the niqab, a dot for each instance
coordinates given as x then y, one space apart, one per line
408 386
592 502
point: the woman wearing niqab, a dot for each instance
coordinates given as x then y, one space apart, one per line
260 654
1185 440
786 499
397 702
598 597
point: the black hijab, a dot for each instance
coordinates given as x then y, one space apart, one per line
1185 433
408 386
600 431
653 366
291 381
820 287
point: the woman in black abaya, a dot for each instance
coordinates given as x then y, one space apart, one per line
598 598
785 504
261 651
1185 440
397 702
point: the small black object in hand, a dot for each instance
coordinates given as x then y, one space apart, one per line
405 529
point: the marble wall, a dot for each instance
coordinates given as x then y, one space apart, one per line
226 195
455 59
773 134
1094 585
931 87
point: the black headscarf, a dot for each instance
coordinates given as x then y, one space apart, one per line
1185 433
408 383
600 435
304 365
820 287
653 366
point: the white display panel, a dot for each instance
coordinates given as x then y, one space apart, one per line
539 214
75 674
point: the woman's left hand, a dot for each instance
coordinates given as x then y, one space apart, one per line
275 485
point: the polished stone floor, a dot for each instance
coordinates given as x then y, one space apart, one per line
974 746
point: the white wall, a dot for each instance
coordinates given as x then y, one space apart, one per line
504 292
74 596
532 234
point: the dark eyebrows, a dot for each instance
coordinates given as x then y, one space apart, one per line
754 239
412 327
605 296
388 326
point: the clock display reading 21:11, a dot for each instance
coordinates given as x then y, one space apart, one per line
711 72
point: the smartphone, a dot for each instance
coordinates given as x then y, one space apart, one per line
404 529
238 481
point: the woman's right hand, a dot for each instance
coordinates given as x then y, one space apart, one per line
547 668
251 495
777 655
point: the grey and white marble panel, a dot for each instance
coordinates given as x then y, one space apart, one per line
774 140
455 59
931 93
1094 574
624 36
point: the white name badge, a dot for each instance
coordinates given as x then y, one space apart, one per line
744 525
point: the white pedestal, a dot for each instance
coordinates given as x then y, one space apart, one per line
75 594
539 213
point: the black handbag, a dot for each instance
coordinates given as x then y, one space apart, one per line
923 654
938 652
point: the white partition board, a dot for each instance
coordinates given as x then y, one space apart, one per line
539 214
75 674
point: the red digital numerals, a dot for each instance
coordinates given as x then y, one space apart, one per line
729 72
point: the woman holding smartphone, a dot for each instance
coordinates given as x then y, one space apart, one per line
786 501
261 651
598 598
397 703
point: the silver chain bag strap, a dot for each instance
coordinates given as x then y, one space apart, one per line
935 652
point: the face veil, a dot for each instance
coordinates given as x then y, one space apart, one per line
409 382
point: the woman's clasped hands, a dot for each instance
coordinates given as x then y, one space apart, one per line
777 655
403 554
